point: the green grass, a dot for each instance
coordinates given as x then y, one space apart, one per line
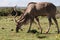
7 23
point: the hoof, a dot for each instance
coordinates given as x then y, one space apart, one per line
41 32
28 31
58 32
17 31
46 32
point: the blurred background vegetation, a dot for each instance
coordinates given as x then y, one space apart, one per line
8 11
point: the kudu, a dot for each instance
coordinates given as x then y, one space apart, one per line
35 9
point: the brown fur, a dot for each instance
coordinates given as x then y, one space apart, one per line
35 9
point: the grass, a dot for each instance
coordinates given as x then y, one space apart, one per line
7 23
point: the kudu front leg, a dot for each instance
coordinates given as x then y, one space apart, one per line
30 25
37 19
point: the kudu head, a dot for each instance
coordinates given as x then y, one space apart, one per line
19 22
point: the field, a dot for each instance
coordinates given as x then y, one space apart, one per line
8 23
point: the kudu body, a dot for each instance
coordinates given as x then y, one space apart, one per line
35 9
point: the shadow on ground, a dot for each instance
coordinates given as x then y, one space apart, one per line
33 31
41 37
38 34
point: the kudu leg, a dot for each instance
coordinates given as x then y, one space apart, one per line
50 22
54 18
17 29
37 19
30 25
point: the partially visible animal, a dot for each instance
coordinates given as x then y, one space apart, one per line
14 12
35 9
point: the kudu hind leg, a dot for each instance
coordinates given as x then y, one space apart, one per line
54 18
37 19
50 22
